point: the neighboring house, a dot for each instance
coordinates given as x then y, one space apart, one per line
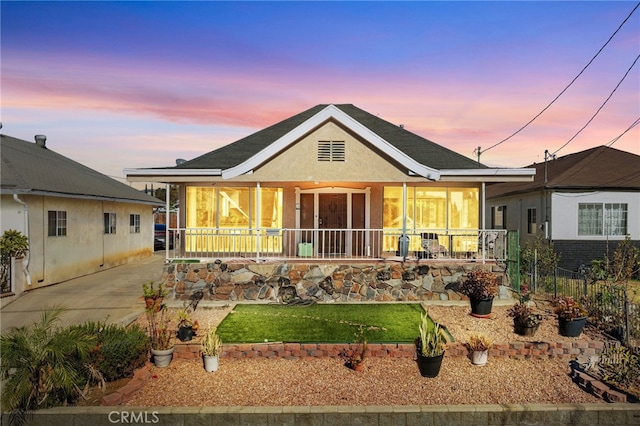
78 221
585 203
331 182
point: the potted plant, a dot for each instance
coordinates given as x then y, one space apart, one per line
210 346
153 297
430 346
185 325
479 344
525 320
161 336
12 245
481 287
572 316
354 356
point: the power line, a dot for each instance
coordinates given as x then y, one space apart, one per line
601 106
565 89
634 124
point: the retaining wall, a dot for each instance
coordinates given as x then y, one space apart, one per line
324 282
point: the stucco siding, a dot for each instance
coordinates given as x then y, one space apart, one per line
85 248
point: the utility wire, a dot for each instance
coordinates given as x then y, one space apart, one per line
634 124
601 106
565 89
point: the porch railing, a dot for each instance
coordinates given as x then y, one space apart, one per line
329 244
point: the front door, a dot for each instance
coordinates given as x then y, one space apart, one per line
332 218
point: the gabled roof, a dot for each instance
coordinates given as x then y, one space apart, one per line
415 154
30 168
599 168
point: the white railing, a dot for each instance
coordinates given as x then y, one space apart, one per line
329 244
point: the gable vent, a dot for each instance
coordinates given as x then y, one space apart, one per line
331 151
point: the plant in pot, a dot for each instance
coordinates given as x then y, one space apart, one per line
161 336
186 326
355 355
153 297
430 346
525 320
12 245
211 345
479 344
481 287
572 316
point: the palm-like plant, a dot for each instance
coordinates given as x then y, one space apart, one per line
42 364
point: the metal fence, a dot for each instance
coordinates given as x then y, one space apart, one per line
608 304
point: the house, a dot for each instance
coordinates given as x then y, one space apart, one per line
78 221
585 203
332 182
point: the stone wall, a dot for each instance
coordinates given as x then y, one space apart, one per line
328 282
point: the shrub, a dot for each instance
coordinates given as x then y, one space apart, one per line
41 365
119 350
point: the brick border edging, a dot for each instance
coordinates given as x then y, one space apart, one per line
517 350
595 387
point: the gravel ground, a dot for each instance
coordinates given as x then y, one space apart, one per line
384 381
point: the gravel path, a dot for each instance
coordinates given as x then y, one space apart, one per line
384 381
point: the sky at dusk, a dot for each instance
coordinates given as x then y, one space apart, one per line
118 85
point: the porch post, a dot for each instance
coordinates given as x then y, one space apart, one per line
483 213
258 208
404 239
167 219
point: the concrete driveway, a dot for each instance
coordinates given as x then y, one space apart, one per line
114 295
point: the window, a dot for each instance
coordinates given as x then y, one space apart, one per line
331 151
602 219
532 221
134 223
57 223
109 223
499 217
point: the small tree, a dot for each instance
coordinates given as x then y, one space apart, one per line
540 255
12 244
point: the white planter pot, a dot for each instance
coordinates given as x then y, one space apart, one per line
162 358
479 357
210 363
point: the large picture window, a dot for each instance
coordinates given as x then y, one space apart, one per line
231 215
444 211
602 219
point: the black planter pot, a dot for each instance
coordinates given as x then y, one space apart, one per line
429 366
481 308
571 328
185 333
524 330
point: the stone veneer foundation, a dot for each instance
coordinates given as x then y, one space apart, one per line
323 282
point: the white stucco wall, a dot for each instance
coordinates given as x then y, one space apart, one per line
565 213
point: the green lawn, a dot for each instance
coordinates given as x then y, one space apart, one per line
321 323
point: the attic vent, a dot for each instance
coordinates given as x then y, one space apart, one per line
331 151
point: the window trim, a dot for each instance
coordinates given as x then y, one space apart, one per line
134 223
60 225
109 225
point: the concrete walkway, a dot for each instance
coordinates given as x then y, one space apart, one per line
114 295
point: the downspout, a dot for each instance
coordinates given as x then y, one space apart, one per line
404 239
25 264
